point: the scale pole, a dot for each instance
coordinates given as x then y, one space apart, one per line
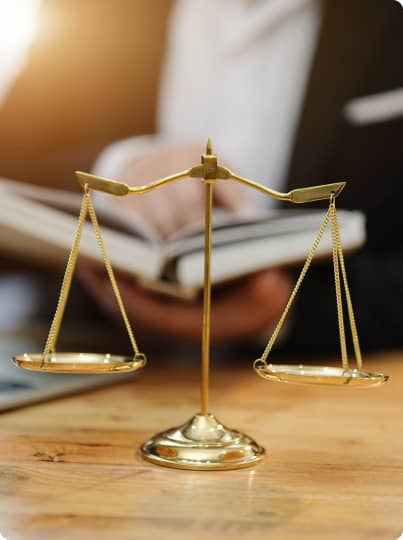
206 297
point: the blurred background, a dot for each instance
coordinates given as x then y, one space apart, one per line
82 74
77 75
74 76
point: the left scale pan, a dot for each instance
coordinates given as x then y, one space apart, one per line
67 362
82 362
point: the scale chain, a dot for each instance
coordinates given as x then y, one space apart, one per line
297 286
350 310
86 207
111 275
338 265
51 341
339 299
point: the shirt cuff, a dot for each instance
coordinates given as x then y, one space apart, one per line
114 160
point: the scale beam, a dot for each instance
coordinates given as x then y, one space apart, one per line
210 170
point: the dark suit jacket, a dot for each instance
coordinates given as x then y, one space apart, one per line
360 53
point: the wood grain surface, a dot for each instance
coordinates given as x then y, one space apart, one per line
334 465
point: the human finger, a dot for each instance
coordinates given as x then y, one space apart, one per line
244 312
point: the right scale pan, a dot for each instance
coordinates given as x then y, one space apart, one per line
319 375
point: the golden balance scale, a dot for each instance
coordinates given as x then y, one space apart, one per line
203 443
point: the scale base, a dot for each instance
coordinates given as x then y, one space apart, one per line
202 444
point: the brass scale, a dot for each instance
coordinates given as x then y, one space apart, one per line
203 443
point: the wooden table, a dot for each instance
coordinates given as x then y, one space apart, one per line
334 465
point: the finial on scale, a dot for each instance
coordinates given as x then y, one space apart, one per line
209 147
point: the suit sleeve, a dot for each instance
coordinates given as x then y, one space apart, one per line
375 276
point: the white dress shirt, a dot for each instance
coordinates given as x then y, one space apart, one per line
235 71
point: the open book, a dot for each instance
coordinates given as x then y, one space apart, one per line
39 224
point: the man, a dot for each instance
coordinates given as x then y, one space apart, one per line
293 93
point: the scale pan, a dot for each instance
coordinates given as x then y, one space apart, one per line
67 362
319 375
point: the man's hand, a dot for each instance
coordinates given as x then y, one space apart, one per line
244 311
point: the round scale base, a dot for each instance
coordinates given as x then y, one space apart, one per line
319 375
67 362
202 444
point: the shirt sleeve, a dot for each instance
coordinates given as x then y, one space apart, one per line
116 158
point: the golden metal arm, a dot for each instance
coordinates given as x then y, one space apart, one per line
210 170
113 187
299 195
